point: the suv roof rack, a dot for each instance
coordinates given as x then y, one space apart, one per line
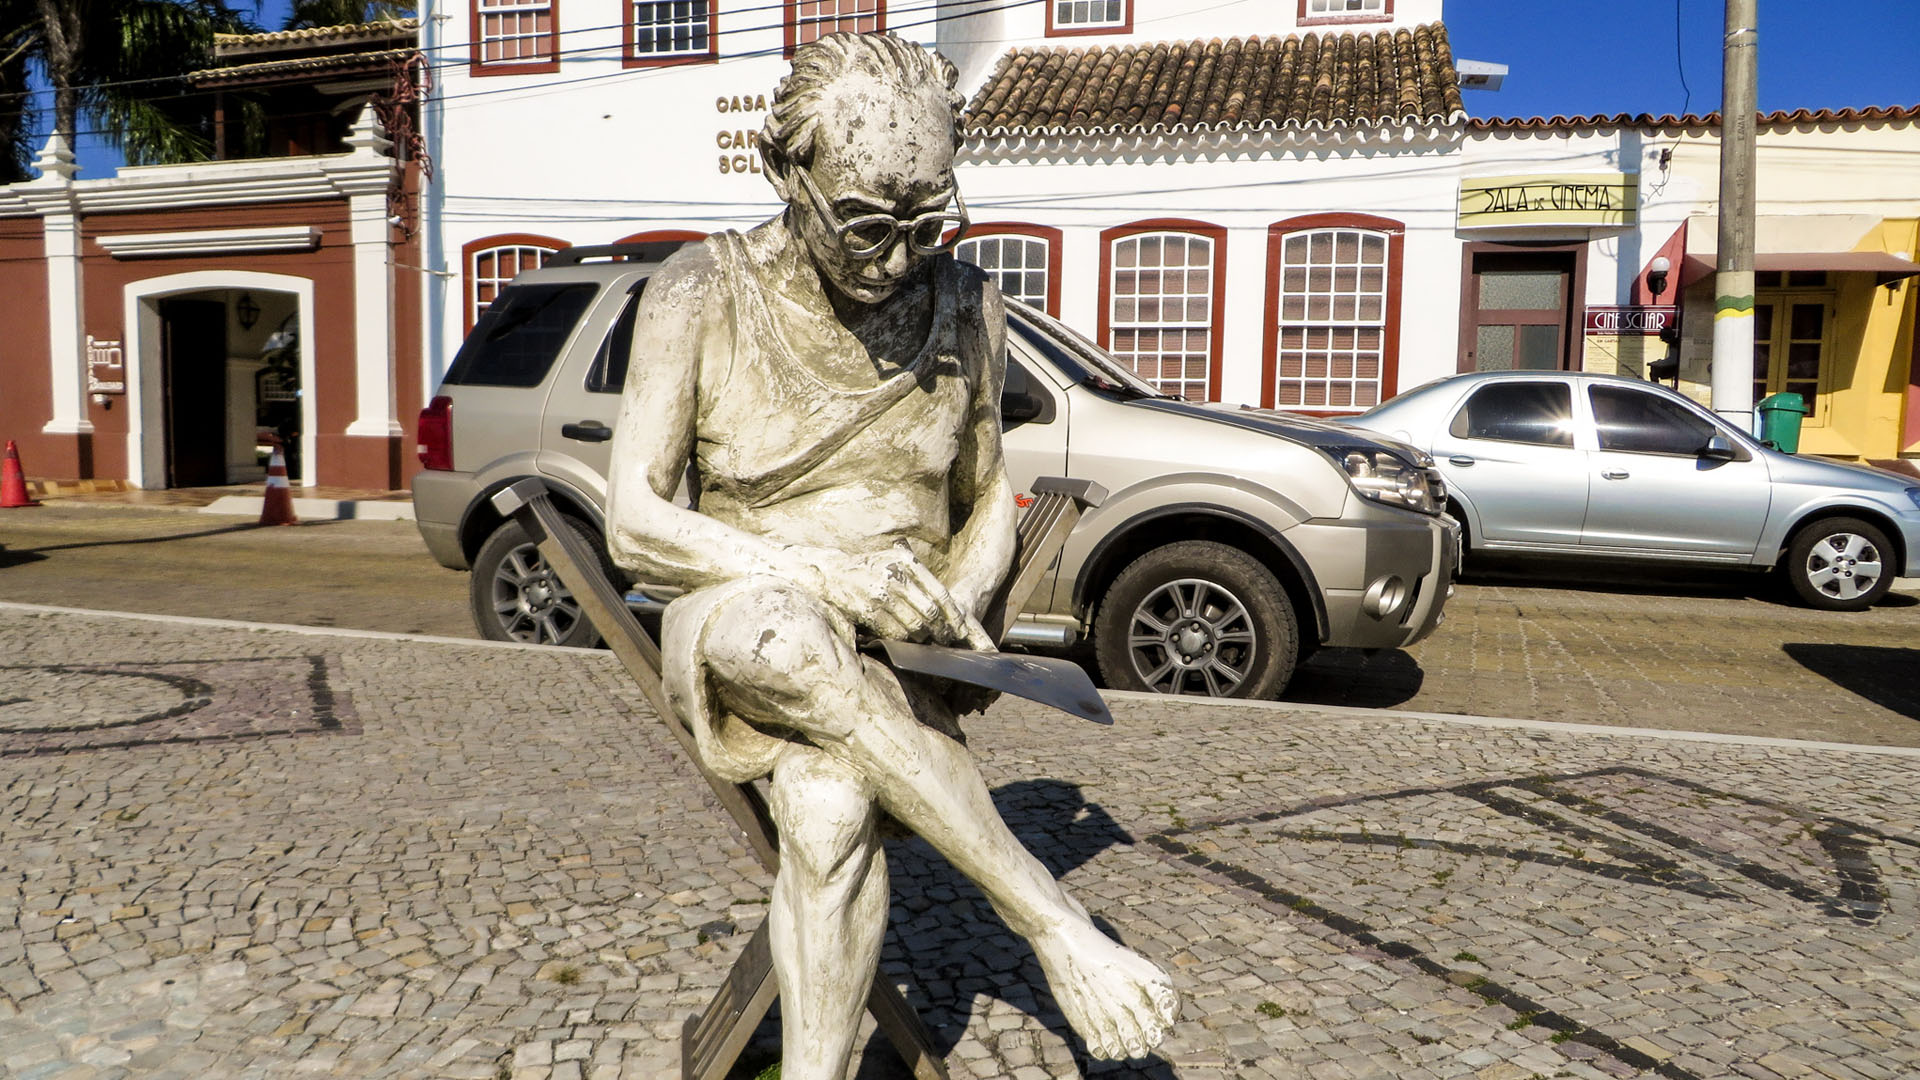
650 251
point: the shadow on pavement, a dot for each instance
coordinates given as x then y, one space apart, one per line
246 527
1351 677
1886 675
11 557
1639 579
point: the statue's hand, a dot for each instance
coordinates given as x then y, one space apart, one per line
893 594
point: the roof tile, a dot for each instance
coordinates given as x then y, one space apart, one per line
1402 76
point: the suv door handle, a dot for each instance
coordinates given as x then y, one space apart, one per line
587 431
1614 474
1461 460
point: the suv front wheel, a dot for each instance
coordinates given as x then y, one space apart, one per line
515 596
1197 617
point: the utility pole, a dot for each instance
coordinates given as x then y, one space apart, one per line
1733 262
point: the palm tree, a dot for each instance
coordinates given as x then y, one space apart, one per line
112 62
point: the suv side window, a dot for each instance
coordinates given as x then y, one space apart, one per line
609 371
1643 423
1527 412
517 338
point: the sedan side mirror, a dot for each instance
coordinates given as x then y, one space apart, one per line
1719 449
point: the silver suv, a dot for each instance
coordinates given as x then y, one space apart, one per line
1233 541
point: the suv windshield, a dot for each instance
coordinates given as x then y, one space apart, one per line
516 339
1079 359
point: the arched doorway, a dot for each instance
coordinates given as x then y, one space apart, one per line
218 362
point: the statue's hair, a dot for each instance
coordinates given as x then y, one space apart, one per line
795 115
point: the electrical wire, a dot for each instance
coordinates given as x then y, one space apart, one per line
1680 60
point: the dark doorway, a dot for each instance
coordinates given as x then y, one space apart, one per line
1518 313
194 359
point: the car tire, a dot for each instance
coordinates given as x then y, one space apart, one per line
1197 617
1840 564
515 597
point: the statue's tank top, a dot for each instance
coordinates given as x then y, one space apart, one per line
785 454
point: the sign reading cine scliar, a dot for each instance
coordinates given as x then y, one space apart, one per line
1581 199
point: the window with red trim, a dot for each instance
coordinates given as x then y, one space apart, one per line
810 20
515 36
1332 312
1162 306
1066 17
1022 259
491 262
671 31
1338 11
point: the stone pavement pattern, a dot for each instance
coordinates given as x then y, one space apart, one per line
238 853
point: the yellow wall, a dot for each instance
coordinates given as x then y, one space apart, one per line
1870 354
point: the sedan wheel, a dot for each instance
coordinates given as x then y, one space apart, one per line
1840 564
516 596
1197 618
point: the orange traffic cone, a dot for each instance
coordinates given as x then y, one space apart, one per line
277 507
13 482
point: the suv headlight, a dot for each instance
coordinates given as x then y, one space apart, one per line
1386 477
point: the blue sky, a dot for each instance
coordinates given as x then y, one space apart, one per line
1607 56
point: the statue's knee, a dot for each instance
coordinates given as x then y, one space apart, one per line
825 814
777 639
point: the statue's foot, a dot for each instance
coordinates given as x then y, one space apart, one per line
1120 1002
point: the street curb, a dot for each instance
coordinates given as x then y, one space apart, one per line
294 628
316 509
1555 726
1132 696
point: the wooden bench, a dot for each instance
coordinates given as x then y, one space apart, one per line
712 1039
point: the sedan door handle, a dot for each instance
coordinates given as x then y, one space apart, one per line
1461 460
587 431
1615 474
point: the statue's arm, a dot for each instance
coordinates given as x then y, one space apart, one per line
982 551
647 533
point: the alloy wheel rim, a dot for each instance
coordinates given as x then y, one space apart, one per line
531 602
1844 566
1191 636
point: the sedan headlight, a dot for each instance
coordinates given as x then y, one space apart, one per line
1386 477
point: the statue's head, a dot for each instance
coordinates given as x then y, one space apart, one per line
860 144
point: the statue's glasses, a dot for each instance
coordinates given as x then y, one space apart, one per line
868 235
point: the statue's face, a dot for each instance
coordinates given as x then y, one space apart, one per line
877 154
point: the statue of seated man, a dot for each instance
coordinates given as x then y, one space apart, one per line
828 385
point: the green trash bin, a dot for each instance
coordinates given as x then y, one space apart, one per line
1780 416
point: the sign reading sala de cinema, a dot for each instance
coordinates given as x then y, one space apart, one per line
1580 199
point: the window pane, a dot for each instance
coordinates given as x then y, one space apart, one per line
1493 348
1539 348
515 342
1640 422
1162 310
1808 321
1526 290
1332 284
1529 412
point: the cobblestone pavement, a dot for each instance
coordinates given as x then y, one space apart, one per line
231 852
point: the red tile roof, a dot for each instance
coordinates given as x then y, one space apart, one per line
1780 118
1325 80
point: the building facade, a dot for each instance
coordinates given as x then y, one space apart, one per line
164 321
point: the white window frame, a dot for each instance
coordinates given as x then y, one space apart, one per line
496 281
536 46
823 25
968 251
1081 14
1312 316
697 20
1192 389
1340 9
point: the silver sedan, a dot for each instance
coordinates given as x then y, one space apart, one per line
1570 463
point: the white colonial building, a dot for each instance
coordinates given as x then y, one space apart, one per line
1271 202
